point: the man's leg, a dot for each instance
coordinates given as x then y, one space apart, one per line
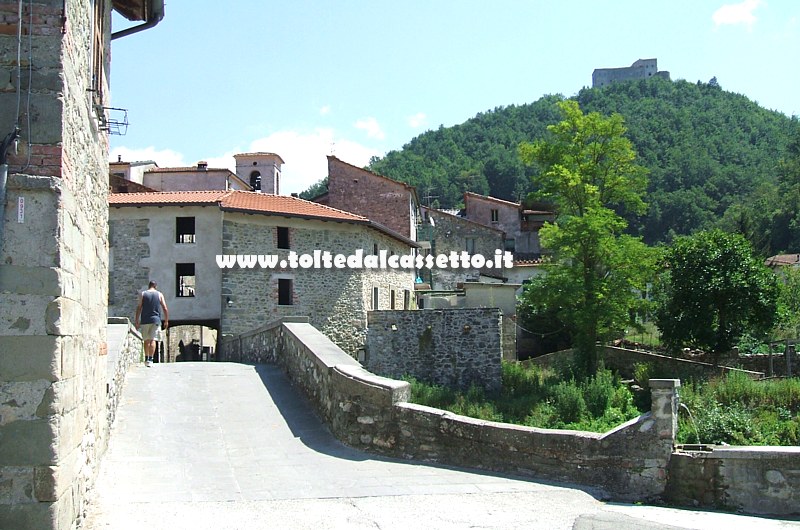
149 349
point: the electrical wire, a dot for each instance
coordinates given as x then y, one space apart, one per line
30 77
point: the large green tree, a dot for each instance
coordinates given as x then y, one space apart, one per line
587 169
714 291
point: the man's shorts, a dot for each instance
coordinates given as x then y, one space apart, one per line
149 331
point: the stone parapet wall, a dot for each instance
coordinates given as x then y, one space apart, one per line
452 347
372 413
125 348
624 360
759 480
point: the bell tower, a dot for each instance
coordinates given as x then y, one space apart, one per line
261 170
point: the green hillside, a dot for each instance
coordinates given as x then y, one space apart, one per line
712 155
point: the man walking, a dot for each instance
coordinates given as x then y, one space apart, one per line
148 313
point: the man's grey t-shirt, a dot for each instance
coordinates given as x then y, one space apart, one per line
151 307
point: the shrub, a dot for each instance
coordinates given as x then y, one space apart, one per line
598 392
568 402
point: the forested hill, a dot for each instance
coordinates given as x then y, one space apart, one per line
708 152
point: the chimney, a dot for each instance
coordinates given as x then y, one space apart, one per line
295 195
202 165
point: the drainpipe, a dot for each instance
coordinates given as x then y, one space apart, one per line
7 142
155 15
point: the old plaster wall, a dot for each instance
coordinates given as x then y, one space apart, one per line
53 267
143 246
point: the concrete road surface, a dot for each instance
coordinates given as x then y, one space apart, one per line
229 446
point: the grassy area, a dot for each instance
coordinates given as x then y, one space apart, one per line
734 410
739 411
539 398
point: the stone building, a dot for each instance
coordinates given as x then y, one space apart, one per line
174 237
520 224
393 204
450 233
54 256
640 69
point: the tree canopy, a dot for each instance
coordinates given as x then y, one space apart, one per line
710 154
714 291
586 166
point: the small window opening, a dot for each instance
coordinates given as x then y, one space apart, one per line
184 230
184 279
285 292
283 237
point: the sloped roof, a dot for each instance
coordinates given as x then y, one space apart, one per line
158 198
251 202
783 259
490 198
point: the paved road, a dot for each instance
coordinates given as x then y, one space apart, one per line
228 446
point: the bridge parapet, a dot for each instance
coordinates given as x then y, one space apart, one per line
372 413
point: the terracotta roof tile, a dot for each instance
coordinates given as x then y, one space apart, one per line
165 197
280 204
783 259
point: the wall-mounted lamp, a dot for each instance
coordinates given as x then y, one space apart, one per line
229 301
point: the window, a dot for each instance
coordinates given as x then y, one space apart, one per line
98 53
255 181
375 298
510 245
391 299
184 230
495 215
406 299
184 279
470 245
283 237
285 292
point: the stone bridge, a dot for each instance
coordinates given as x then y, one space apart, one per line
238 445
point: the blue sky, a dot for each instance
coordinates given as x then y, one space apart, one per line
306 79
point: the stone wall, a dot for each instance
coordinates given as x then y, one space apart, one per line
779 365
335 300
623 361
373 196
54 262
760 480
125 348
127 277
455 348
371 413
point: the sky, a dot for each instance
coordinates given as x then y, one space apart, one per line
359 78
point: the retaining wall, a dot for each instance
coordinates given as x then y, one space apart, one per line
760 480
372 413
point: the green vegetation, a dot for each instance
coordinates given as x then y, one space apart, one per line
739 411
539 398
734 410
714 291
715 159
587 167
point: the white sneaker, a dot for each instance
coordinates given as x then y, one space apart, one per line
148 363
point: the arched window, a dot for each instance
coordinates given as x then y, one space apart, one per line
255 180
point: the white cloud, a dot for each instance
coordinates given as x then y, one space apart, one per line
371 126
741 13
162 157
417 120
324 111
305 155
